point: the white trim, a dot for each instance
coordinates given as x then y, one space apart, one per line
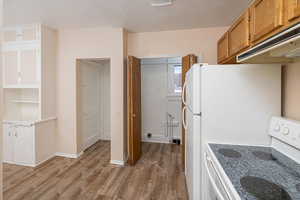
68 155
45 160
22 164
117 162
45 120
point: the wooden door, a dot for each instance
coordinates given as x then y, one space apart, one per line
187 62
293 12
223 48
134 109
239 34
266 17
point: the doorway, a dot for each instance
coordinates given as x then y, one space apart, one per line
154 102
93 101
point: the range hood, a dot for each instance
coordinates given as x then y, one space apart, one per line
283 47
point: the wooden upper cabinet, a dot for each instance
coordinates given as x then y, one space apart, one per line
266 17
239 34
293 10
223 48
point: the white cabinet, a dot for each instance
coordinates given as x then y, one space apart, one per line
25 33
21 65
10 67
24 145
8 143
18 145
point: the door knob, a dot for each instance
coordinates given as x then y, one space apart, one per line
133 115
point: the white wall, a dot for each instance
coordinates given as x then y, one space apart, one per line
81 44
157 101
104 98
89 107
201 41
94 94
154 102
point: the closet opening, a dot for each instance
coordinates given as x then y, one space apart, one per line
93 103
161 88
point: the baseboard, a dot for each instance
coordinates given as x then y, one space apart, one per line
45 160
22 164
91 140
69 155
117 162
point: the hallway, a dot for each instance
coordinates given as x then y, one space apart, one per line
156 176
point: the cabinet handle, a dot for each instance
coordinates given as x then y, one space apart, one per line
9 134
16 134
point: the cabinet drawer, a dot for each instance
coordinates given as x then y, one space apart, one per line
239 34
266 17
223 48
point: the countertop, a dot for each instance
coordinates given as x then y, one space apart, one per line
259 173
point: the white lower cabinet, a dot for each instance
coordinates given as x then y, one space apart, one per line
18 145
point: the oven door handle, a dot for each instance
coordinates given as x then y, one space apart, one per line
219 194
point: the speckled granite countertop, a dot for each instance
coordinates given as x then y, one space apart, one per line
259 173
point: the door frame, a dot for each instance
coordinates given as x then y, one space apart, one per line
79 136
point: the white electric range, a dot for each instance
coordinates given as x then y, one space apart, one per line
240 172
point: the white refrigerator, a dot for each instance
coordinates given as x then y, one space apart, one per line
228 104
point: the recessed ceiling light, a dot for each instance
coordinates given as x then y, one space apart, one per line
160 3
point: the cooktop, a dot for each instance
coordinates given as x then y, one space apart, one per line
259 173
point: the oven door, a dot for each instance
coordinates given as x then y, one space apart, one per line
215 189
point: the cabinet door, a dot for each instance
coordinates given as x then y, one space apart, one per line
21 33
223 48
8 144
239 34
293 9
267 16
10 35
11 67
29 66
24 145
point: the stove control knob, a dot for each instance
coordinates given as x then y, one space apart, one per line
277 128
285 131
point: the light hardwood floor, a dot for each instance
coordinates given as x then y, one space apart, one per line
156 176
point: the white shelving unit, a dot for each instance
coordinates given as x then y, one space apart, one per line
29 77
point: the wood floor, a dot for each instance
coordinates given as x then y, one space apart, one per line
157 175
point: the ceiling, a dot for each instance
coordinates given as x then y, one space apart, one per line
134 15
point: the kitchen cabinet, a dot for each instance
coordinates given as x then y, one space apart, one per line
11 67
18 145
8 143
239 34
293 10
28 143
267 16
223 48
21 65
25 33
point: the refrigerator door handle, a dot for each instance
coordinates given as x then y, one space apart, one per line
183 118
183 93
